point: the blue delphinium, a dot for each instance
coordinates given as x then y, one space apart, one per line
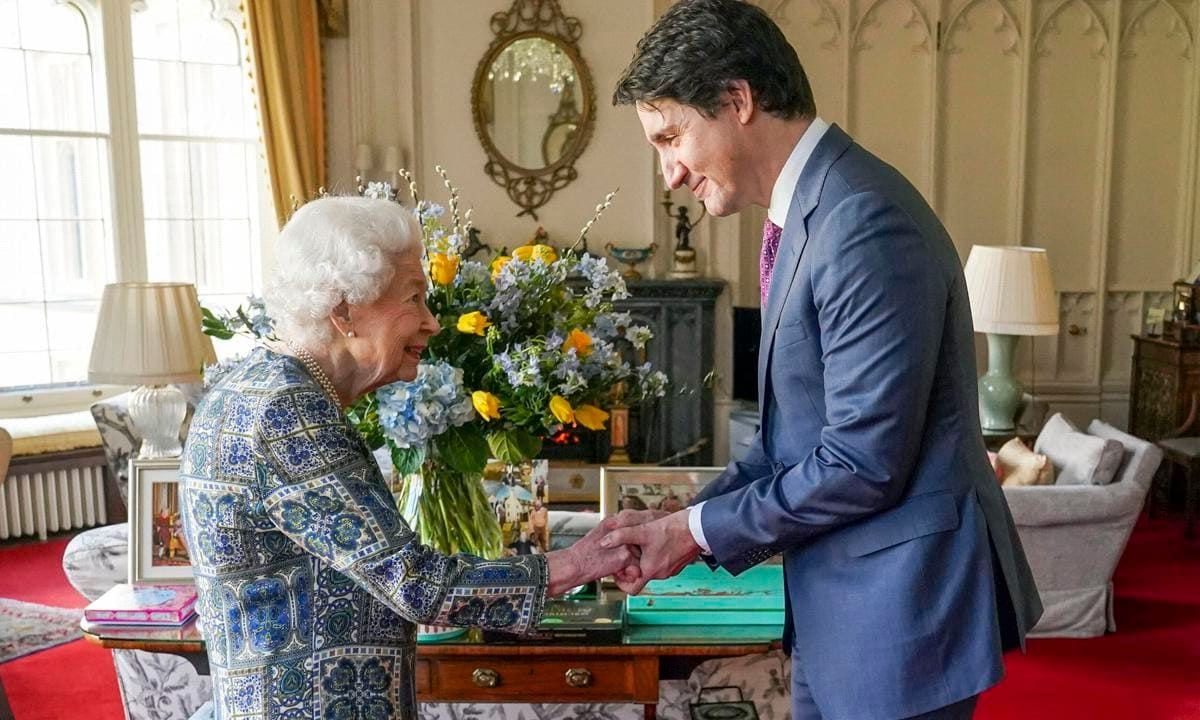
413 413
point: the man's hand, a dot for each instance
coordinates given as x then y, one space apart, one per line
587 560
665 541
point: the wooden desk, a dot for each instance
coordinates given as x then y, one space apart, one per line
1184 452
468 670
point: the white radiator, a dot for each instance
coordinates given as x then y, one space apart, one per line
45 500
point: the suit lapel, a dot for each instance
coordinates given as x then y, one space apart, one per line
792 245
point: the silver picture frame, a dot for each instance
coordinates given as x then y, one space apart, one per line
158 552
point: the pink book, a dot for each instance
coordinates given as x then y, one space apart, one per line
144 605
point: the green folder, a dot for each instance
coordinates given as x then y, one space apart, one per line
699 596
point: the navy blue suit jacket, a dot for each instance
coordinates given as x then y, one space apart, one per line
905 576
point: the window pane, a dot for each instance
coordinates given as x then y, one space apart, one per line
166 184
21 269
75 259
218 180
24 327
160 103
9 36
68 365
70 178
170 251
16 178
156 31
14 110
53 26
215 98
29 368
223 250
205 39
60 91
71 325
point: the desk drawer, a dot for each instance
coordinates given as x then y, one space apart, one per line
496 678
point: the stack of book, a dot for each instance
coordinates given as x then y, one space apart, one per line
574 622
125 604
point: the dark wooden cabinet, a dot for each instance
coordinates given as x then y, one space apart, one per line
682 315
1163 384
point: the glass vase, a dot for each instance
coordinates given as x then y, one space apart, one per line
450 512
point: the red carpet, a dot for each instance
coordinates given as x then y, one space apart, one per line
75 680
1148 670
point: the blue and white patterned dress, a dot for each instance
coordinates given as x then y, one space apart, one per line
309 581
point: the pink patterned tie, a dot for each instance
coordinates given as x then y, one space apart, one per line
766 261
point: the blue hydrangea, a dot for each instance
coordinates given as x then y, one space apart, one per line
412 413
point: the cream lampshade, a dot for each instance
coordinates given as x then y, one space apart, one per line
149 334
1012 294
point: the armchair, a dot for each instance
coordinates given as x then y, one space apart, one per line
1074 536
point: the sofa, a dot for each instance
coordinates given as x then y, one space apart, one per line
159 686
1074 534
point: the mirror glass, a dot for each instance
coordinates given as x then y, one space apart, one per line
530 102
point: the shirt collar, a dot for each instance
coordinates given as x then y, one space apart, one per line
785 184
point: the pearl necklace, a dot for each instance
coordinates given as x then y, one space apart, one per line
314 369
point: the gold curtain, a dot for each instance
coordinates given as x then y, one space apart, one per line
286 48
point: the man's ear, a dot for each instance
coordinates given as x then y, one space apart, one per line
741 99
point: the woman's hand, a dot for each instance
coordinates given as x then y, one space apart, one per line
586 561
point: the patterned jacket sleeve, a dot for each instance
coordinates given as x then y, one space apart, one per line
321 487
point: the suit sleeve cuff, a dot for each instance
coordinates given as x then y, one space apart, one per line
697 527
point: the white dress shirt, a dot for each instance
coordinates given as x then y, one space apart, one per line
781 200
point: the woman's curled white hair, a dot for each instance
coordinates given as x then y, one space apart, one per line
334 249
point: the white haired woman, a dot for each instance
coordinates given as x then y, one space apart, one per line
309 580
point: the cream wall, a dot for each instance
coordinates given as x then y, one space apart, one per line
1067 124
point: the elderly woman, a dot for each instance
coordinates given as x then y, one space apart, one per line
309 580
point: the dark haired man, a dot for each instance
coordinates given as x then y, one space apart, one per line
905 577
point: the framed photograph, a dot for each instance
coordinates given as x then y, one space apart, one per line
574 482
519 495
650 487
158 552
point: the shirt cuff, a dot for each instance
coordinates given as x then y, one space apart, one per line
697 527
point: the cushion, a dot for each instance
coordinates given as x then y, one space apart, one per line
1079 458
52 433
1018 465
1141 460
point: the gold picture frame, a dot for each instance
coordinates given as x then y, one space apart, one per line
654 487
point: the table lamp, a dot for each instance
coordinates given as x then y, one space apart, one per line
148 334
1012 294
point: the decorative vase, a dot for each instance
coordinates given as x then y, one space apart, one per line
449 512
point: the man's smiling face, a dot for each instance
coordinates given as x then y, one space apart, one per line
705 154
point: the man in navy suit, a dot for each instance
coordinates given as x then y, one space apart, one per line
905 577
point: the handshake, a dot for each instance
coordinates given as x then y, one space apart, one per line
635 546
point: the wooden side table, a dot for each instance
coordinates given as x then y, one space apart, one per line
1185 453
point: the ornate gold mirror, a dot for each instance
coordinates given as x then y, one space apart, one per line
533 102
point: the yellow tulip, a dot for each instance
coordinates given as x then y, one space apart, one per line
473 323
591 417
486 404
498 265
541 253
581 341
443 267
561 409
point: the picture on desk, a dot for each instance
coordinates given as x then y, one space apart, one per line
169 547
519 496
158 551
650 487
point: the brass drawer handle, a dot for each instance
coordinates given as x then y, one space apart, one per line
485 678
579 677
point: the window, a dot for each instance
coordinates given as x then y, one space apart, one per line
199 176
55 208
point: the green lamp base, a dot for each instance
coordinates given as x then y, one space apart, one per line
999 392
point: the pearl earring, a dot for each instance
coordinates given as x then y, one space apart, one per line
350 334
